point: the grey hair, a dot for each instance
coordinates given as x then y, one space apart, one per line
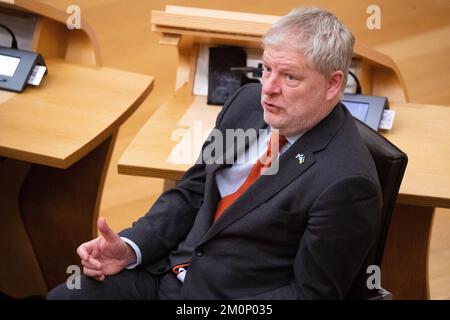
324 40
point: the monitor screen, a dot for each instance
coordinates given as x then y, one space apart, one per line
8 65
357 109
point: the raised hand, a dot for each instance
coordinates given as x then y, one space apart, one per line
105 255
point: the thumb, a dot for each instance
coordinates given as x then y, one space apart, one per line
106 231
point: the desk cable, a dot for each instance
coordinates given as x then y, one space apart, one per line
13 37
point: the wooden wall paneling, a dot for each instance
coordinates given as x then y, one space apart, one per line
406 274
67 201
47 31
80 49
21 274
72 45
184 70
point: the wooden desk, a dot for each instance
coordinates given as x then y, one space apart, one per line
55 144
149 152
421 131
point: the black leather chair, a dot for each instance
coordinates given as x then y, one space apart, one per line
391 164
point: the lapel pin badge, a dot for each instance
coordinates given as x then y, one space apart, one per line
300 157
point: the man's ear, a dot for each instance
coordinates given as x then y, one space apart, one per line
335 83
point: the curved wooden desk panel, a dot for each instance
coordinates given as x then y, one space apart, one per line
73 45
59 210
46 214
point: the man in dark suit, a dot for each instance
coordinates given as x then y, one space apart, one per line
229 231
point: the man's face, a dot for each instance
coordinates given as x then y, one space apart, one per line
295 97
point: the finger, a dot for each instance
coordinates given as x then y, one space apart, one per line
94 252
83 252
106 231
92 273
100 278
92 263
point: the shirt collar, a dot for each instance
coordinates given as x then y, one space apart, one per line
292 139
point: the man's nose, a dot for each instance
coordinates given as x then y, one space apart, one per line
270 85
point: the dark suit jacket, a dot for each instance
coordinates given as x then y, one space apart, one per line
300 234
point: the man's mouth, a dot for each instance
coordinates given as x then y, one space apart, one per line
271 107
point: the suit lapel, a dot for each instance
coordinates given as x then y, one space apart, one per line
290 168
210 200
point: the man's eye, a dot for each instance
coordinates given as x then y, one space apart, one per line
291 77
267 69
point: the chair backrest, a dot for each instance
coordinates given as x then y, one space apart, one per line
391 164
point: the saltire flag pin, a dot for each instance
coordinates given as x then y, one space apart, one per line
300 157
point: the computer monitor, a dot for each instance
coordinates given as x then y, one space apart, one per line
8 65
357 109
368 109
16 67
